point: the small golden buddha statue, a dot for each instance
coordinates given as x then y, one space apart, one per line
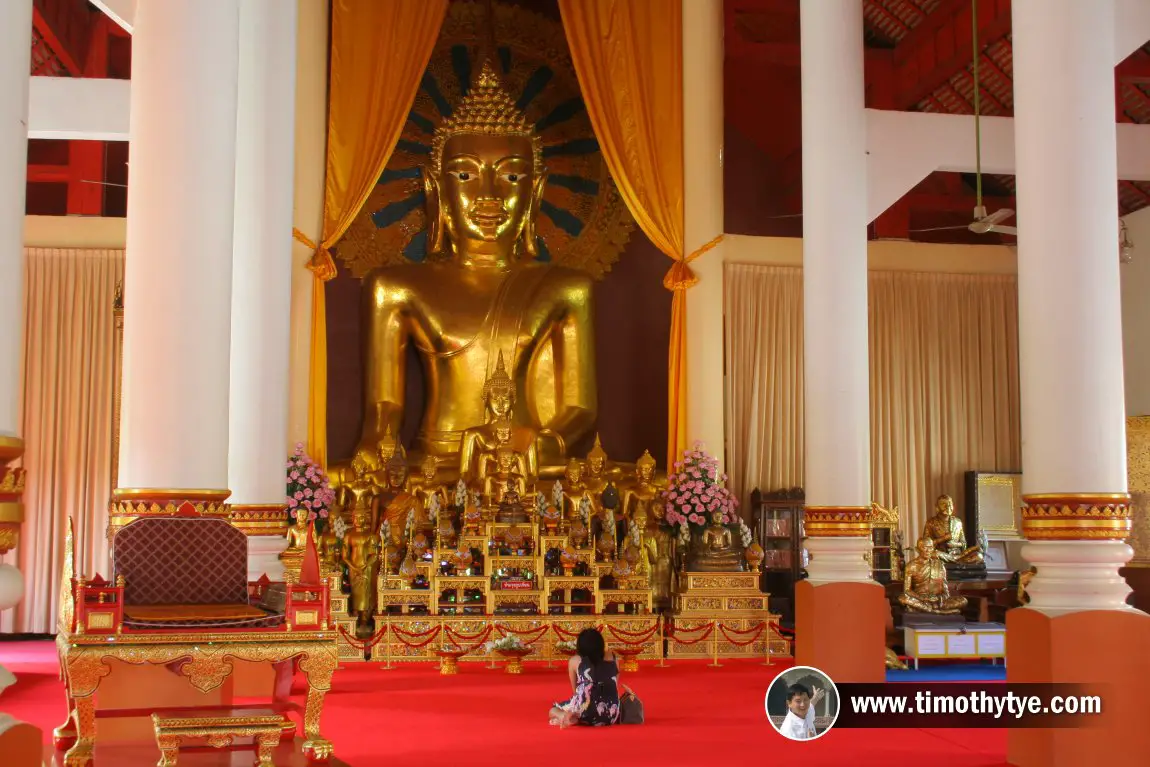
426 486
480 443
924 585
329 549
361 554
573 490
483 186
715 551
642 491
359 493
505 478
945 531
599 473
292 556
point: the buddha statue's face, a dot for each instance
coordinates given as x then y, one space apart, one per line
646 472
574 473
595 465
944 506
396 476
505 457
488 186
359 521
503 433
358 465
499 401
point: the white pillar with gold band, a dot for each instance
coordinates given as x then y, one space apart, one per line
261 280
836 373
703 219
15 40
177 336
839 599
1073 410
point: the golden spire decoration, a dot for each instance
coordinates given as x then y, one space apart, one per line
487 108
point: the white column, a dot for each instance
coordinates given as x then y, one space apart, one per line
703 219
261 270
1069 296
310 164
836 373
15 42
178 273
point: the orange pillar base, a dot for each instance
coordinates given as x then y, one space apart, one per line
1103 650
840 629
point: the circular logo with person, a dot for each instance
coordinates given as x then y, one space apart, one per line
802 703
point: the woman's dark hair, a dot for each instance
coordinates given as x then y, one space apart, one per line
590 645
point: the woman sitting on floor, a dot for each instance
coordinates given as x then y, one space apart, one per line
594 678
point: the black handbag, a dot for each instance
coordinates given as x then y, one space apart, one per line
630 708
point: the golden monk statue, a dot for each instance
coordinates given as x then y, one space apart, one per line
945 531
489 297
715 551
358 493
361 554
924 586
480 442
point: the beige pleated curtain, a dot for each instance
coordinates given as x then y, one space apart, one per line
943 382
66 423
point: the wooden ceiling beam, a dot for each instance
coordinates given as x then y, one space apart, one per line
45 29
1135 69
940 47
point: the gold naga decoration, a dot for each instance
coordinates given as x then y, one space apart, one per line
583 222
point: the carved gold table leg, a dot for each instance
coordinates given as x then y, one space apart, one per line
64 736
266 746
169 750
80 754
318 667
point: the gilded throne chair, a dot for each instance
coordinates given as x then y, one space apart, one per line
179 597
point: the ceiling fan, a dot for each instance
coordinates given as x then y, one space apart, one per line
983 223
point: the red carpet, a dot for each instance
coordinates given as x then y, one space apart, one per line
695 716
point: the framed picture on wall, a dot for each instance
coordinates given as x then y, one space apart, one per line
994 504
996 557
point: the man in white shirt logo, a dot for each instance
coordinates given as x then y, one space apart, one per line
800 721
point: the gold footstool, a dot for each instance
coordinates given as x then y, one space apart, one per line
218 731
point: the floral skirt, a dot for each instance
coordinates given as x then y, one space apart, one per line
594 709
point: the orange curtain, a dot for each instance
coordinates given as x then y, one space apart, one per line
379 51
628 55
66 422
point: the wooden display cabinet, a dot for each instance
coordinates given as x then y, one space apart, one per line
778 518
886 556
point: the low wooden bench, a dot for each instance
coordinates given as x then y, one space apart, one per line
219 731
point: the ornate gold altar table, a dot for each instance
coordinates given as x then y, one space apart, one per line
209 660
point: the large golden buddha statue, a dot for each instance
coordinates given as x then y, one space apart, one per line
488 298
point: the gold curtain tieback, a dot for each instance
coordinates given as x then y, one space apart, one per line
680 276
321 263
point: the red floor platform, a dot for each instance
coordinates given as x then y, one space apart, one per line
696 715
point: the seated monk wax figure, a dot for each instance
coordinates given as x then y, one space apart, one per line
945 531
924 585
481 295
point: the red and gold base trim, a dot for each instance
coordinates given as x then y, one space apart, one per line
11 491
260 518
837 521
130 503
1076 516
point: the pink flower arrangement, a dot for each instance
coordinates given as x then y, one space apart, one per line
696 493
308 488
